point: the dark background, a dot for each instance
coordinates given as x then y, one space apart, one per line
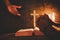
10 23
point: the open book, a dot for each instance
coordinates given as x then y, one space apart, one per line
29 32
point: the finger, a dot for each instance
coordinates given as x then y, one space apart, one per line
18 6
18 14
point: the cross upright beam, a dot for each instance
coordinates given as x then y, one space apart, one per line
34 17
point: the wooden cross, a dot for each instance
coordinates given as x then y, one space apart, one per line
34 17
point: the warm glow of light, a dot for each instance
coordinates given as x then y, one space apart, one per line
57 28
51 11
52 16
47 9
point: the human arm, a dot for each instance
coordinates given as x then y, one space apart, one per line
12 8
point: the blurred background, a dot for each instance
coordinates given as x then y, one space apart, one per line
10 23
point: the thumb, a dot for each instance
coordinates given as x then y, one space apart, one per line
18 14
